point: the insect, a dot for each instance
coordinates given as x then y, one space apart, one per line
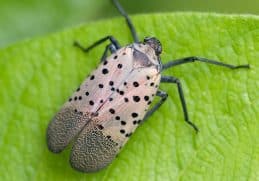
109 105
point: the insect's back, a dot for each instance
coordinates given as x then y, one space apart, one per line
107 108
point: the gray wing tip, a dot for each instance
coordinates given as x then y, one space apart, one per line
62 129
92 151
52 141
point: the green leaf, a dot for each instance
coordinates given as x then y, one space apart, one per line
38 76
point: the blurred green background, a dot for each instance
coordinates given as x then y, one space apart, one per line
21 19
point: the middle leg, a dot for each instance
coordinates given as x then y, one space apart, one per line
163 96
170 79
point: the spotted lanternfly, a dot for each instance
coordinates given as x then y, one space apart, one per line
109 105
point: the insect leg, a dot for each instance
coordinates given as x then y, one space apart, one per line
125 15
113 41
200 59
170 79
110 47
163 96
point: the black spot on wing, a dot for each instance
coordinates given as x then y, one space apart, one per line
119 65
105 71
105 62
111 83
146 98
123 123
136 98
122 131
135 84
134 115
91 102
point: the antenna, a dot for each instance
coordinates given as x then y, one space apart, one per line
128 20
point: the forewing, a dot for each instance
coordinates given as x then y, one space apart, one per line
100 141
87 100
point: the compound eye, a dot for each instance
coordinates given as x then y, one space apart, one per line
154 43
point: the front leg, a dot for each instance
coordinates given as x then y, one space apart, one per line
110 48
201 59
113 46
